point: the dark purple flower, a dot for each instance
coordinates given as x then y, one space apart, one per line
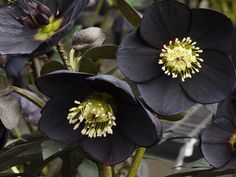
30 26
218 140
179 56
98 111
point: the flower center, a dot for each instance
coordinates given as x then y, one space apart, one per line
232 142
46 31
96 114
180 58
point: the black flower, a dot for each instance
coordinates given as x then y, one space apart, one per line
98 111
179 56
218 140
35 26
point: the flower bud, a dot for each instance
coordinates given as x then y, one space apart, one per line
88 38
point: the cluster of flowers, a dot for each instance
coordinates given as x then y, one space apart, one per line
177 57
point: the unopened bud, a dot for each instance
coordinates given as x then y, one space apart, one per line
44 9
42 19
88 38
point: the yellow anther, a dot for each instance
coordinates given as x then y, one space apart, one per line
96 113
180 58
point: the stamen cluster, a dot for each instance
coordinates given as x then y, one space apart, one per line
96 114
232 142
180 58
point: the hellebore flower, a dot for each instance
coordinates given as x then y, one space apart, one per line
30 26
98 111
218 140
179 56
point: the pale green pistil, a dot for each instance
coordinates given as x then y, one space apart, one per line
232 142
96 114
180 58
46 31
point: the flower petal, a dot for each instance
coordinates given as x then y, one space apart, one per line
63 82
165 96
215 140
165 21
227 108
212 30
54 121
215 80
138 124
110 150
15 38
116 87
137 60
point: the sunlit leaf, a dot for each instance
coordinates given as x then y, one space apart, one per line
129 12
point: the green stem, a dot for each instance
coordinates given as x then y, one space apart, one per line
62 52
136 162
96 13
28 96
105 171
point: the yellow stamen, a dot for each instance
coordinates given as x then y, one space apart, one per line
46 31
232 142
180 58
96 114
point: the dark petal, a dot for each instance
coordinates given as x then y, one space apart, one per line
216 154
63 82
110 150
14 37
71 8
165 96
215 80
138 124
212 30
165 21
54 121
15 65
47 45
219 132
116 87
214 142
52 5
137 60
227 108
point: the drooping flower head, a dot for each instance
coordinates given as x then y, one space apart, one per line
179 56
36 25
218 140
98 111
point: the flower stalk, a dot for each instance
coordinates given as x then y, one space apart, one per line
27 96
62 52
105 171
136 162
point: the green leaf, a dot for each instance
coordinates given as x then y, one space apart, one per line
16 175
200 164
51 147
20 152
87 65
4 83
172 118
101 52
51 66
129 12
